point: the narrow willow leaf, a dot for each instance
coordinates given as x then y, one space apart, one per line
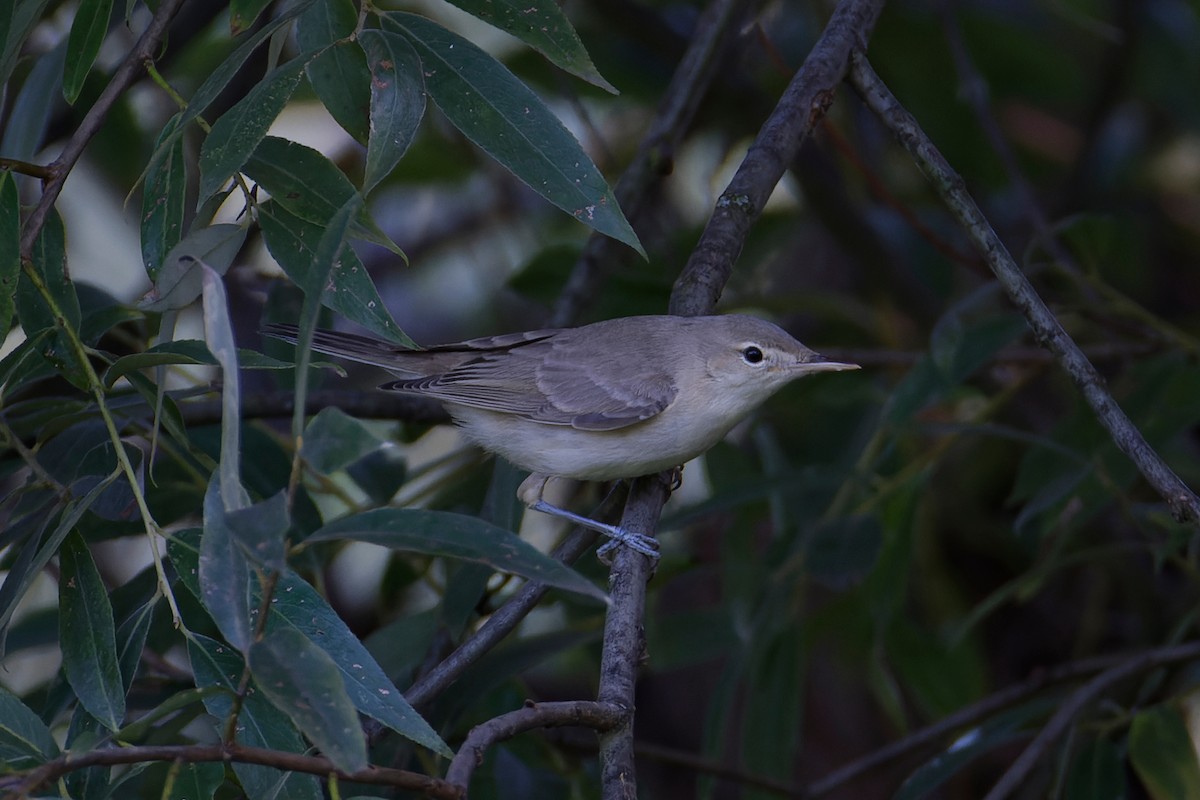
298 606
224 576
542 25
303 682
333 440
309 185
239 130
1163 755
87 34
37 312
163 201
242 14
218 333
180 281
339 74
88 635
17 19
443 533
25 128
397 101
25 741
510 123
260 724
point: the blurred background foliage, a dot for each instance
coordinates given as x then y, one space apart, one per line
871 553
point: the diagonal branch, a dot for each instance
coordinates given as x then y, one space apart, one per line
125 75
803 105
1184 503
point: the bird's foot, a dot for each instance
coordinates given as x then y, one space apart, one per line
639 542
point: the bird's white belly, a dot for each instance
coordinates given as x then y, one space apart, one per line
642 449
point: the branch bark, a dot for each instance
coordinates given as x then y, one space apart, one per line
802 106
1184 503
196 754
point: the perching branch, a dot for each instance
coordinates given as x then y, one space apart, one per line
1184 503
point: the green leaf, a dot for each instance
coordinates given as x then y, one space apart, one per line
197 780
261 530
25 128
542 25
218 333
242 14
16 22
450 535
180 351
223 572
87 34
180 280
298 606
510 123
334 440
260 724
36 312
10 249
397 101
239 130
88 635
25 741
1162 754
310 186
163 201
303 681
1097 773
339 74
292 241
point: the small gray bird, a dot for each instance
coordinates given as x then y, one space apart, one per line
615 399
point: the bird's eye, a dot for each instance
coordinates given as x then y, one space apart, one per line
752 355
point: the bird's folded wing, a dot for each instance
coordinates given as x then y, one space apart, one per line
543 384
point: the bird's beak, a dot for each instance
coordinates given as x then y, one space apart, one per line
818 363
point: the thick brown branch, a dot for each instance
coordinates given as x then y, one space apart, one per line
196 754
803 105
599 717
1184 503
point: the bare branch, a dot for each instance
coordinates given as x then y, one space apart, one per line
125 75
803 105
583 713
197 754
1184 503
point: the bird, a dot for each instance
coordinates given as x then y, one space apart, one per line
615 399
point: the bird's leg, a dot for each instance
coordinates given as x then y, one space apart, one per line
530 493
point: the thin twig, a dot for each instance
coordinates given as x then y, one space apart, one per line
802 105
198 754
1184 503
599 717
